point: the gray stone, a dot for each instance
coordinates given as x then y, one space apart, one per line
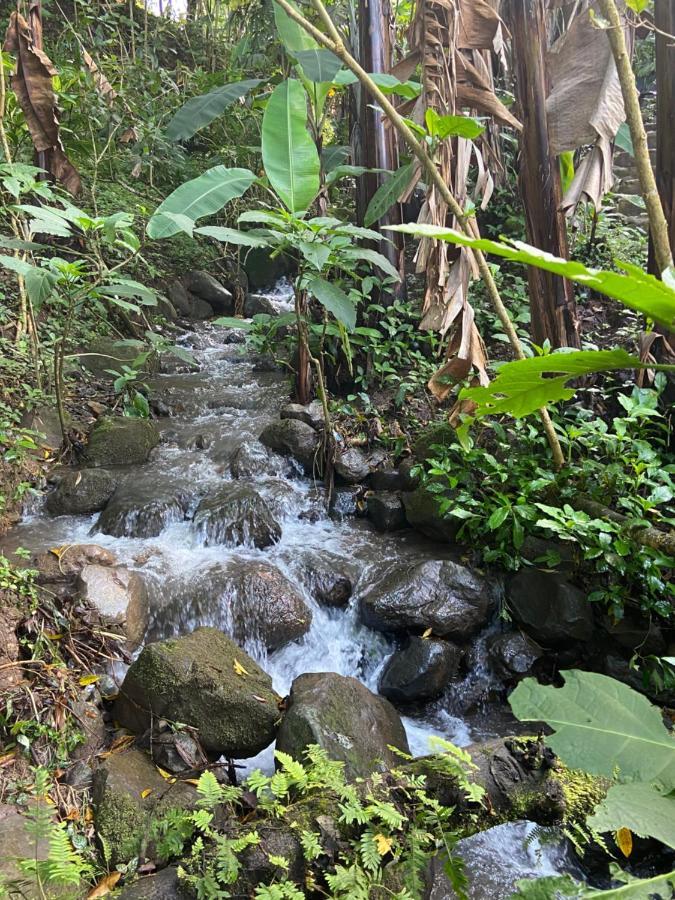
347 500
119 596
237 515
352 465
449 598
164 885
200 310
70 561
120 441
276 840
550 609
514 655
343 717
386 511
326 582
197 679
89 720
81 493
387 480
422 510
180 299
140 511
420 671
17 843
264 269
259 305
209 289
312 414
253 459
106 353
405 468
299 440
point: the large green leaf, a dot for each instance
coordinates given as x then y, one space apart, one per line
636 289
318 64
200 111
40 282
525 385
388 193
294 38
387 83
641 808
563 887
200 197
601 725
334 300
289 154
231 236
443 127
361 254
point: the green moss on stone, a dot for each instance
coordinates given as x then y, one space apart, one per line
121 825
438 433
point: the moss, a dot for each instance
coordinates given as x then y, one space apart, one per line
121 825
582 791
437 433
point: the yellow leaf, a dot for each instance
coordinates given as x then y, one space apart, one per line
239 669
427 633
194 781
89 679
624 840
105 886
167 776
53 637
383 844
146 793
57 551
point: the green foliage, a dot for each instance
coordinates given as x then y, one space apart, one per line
388 193
200 111
659 887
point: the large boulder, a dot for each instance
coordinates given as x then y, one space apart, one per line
451 599
514 655
105 353
550 609
312 414
352 465
207 288
204 680
264 268
69 561
423 512
128 793
385 511
81 493
143 511
120 441
326 580
259 305
237 515
344 718
297 439
119 596
163 885
251 460
419 671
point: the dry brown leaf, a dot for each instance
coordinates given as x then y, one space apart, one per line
103 86
624 841
105 886
32 84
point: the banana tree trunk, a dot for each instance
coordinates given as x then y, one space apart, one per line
552 305
374 145
664 20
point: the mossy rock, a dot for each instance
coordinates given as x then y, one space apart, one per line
204 680
423 512
440 433
119 441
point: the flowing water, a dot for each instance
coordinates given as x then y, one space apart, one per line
225 404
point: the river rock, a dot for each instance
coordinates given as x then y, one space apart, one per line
69 561
120 441
405 470
352 465
197 679
312 414
251 460
163 885
263 268
347 500
128 793
451 599
326 580
299 440
17 842
237 515
438 434
422 510
89 719
385 511
180 299
81 493
119 596
141 511
550 609
259 305
343 717
276 840
419 671
514 655
208 289
387 480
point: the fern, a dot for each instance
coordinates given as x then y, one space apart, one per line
209 790
297 776
370 856
310 845
286 890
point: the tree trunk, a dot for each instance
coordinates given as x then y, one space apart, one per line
553 310
664 20
375 146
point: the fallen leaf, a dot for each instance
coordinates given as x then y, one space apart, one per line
105 886
239 669
53 637
427 633
146 793
383 844
88 679
261 699
194 781
167 776
57 551
624 840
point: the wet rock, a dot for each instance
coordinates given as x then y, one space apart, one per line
70 561
89 720
253 459
265 362
449 598
166 308
237 515
196 679
312 414
200 310
559 555
264 269
347 500
164 885
422 510
352 465
140 511
405 470
259 305
386 512
120 441
81 493
549 608
387 480
207 288
128 792
119 596
420 671
276 839
633 632
514 655
299 440
180 299
343 717
326 582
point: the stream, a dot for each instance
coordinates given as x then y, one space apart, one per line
225 404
